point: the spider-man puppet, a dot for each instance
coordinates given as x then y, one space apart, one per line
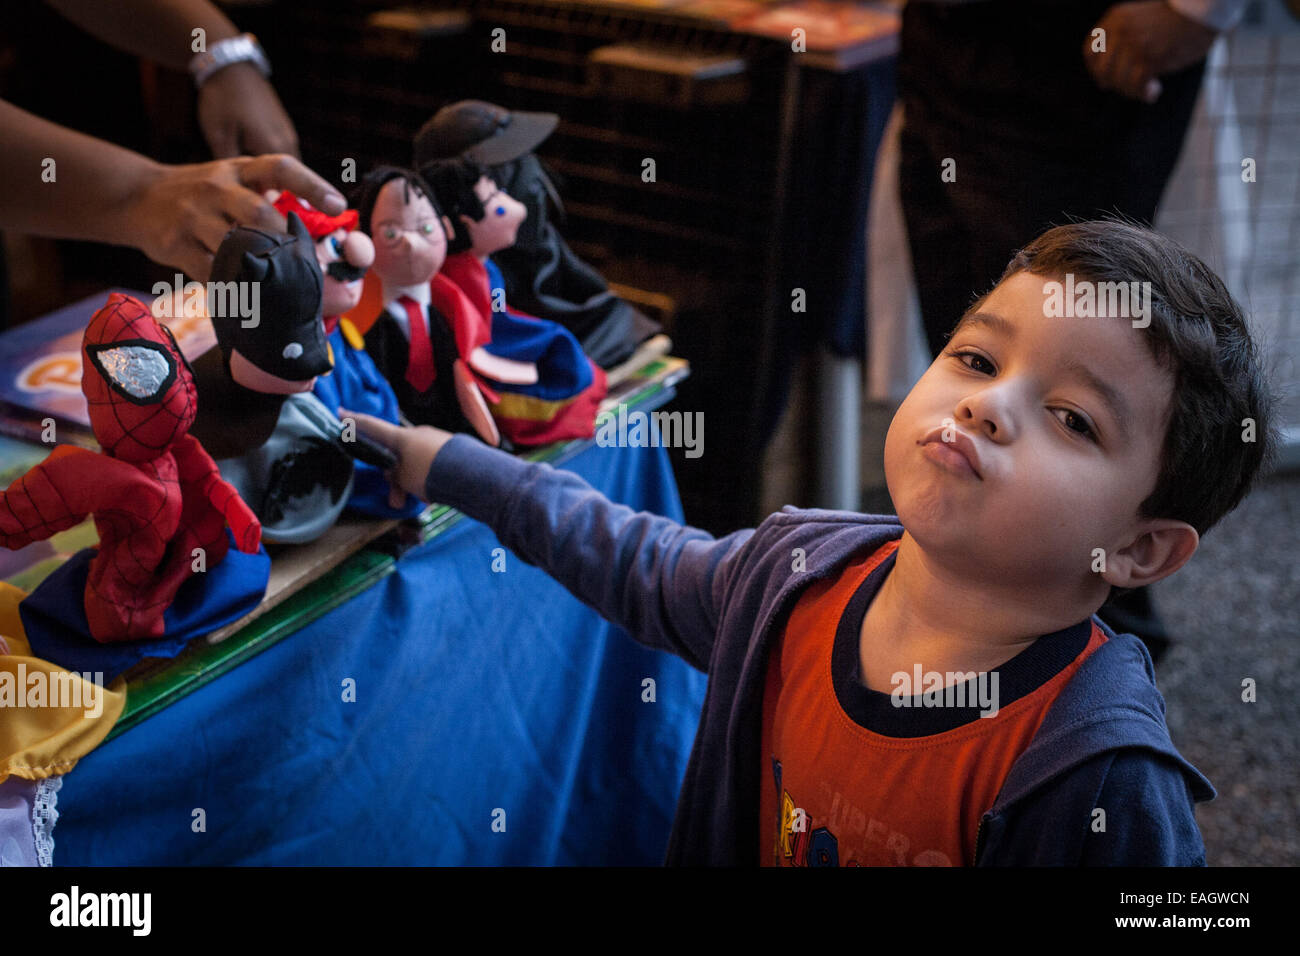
154 492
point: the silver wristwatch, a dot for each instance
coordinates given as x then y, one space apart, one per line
241 49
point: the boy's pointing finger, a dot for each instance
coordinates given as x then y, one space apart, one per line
415 448
377 429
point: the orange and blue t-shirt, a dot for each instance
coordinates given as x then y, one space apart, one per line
855 776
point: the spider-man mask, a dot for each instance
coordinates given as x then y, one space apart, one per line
136 381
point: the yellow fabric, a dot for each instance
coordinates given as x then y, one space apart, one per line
38 740
371 304
352 335
527 407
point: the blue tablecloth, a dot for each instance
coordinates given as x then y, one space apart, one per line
476 692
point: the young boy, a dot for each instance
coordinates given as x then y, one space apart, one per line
934 689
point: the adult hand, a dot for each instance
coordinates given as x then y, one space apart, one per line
415 447
182 213
1144 40
240 113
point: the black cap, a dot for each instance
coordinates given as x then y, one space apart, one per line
481 132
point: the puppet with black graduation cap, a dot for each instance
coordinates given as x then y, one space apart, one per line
541 274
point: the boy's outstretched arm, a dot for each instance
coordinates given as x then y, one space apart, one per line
664 583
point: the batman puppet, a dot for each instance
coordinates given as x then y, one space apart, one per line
273 440
260 360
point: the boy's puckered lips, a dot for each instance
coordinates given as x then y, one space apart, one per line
962 447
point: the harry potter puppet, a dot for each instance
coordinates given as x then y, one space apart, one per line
427 341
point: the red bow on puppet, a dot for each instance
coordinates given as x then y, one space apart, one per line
155 494
318 224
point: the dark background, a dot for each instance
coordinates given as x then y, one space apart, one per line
739 216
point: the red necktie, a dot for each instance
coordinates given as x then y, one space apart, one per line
419 369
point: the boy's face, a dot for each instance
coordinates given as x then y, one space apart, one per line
1064 419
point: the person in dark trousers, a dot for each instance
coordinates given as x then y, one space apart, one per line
1018 116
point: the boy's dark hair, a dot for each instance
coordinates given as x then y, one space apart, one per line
453 183
364 196
1198 333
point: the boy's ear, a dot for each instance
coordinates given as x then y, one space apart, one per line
1162 546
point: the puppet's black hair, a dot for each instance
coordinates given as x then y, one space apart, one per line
363 198
453 183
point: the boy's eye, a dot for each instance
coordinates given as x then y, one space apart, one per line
426 229
391 233
975 362
1077 423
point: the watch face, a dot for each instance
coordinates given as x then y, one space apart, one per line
240 49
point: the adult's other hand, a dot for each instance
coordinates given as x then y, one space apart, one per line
240 113
1144 40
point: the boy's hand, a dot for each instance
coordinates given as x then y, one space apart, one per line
415 449
1145 39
